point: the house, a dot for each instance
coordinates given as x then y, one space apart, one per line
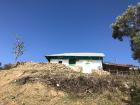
120 68
86 61
134 67
116 68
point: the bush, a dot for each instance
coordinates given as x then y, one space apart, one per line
8 66
78 85
0 66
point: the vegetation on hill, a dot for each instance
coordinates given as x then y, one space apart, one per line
55 84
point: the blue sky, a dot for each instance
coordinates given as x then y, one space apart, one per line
58 26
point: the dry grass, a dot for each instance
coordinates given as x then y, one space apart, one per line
39 92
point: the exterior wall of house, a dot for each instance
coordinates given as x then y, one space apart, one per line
86 65
64 61
89 65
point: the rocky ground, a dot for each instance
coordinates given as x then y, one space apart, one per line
31 83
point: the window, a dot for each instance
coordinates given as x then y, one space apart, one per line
72 61
87 63
60 62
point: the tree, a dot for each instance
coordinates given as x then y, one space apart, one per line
128 25
18 48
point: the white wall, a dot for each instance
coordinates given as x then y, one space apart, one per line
87 65
64 61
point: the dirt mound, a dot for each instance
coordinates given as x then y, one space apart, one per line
42 66
31 83
33 68
35 93
100 72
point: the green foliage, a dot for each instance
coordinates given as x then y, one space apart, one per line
18 48
128 24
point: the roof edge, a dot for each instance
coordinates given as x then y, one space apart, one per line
79 54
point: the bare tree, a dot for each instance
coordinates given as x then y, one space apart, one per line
18 47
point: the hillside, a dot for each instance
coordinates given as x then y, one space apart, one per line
32 83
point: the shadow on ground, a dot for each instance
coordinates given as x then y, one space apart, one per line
135 96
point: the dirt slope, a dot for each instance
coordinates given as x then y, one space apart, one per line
22 85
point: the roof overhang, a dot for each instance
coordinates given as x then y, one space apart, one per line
79 54
76 55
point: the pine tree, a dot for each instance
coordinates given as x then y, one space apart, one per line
128 25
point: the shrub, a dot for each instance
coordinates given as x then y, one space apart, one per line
8 66
78 85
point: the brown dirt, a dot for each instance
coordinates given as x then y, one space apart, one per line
40 93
